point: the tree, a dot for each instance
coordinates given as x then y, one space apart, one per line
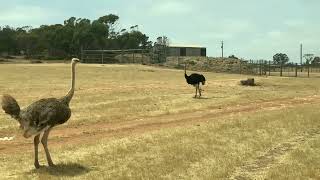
308 57
280 58
233 57
67 39
7 40
110 21
316 60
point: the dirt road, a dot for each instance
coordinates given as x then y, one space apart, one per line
91 133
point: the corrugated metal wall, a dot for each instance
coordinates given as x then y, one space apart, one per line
190 51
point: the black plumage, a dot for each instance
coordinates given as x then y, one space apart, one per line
195 79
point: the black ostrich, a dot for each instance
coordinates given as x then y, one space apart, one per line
194 79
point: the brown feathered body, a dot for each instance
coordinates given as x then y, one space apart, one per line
41 116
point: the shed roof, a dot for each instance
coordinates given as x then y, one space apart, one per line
186 45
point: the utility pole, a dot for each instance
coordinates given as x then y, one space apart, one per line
222 49
301 53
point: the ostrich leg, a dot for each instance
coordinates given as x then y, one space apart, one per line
44 142
199 90
196 91
36 144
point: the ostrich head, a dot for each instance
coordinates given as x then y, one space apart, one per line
75 60
32 128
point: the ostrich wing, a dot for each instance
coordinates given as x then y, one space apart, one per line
44 113
195 78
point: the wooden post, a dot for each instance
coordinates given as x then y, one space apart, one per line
142 58
133 57
296 70
260 67
266 67
102 58
269 67
121 56
308 69
82 55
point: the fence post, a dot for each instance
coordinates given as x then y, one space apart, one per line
82 54
308 69
102 58
142 58
296 70
122 56
133 57
269 67
259 65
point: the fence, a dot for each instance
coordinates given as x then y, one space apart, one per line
147 56
287 70
116 56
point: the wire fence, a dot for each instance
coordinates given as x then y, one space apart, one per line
140 56
269 68
259 67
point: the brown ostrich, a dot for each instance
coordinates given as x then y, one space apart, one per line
41 116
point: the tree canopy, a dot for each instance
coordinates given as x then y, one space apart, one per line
280 58
316 60
67 39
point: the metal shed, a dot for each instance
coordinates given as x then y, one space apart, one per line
186 50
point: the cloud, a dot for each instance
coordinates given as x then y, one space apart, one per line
251 29
227 29
25 15
167 8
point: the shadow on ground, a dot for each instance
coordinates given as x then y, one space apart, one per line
213 97
63 169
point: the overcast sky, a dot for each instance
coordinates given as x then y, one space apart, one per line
251 29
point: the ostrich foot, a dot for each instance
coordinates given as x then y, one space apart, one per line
37 165
51 164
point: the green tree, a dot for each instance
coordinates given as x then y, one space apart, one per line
316 60
308 57
280 58
67 39
7 40
233 57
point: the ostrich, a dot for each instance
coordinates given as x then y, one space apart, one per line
194 79
41 116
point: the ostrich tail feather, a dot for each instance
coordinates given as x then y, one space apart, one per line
10 105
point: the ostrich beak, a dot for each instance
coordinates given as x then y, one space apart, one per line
27 134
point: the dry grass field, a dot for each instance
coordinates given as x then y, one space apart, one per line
141 122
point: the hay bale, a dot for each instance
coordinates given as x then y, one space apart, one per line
248 82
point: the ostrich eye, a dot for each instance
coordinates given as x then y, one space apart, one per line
41 124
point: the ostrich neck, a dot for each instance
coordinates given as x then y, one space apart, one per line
185 70
69 96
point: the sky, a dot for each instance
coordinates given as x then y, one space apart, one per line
250 29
